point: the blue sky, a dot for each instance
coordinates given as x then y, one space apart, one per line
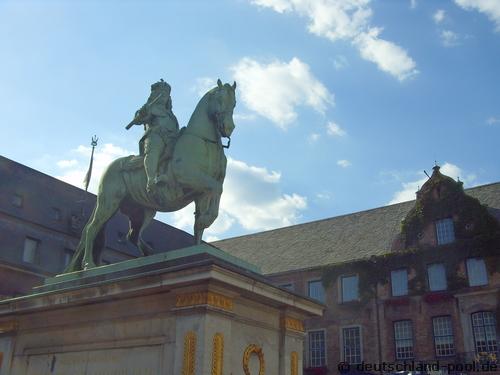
341 103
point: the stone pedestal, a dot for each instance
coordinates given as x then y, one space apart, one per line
190 311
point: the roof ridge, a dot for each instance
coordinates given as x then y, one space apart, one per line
340 216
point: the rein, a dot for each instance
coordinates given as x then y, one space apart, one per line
211 140
218 127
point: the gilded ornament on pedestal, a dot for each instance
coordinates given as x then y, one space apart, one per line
293 324
253 349
204 298
294 363
188 364
217 354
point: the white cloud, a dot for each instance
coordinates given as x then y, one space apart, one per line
349 20
67 163
388 56
324 196
76 169
313 137
203 85
439 16
274 90
334 129
407 193
252 198
493 120
413 4
340 62
344 163
244 116
491 8
449 38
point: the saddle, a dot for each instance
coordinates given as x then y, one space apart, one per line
168 189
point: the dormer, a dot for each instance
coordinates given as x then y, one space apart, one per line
444 213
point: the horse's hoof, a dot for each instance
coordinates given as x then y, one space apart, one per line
87 266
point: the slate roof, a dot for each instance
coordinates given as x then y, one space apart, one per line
334 240
42 194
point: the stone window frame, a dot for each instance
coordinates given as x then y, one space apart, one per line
468 273
452 335
443 231
341 337
341 288
308 351
57 214
407 289
429 280
494 325
396 340
312 280
17 200
36 255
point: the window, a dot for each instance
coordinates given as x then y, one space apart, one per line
445 232
68 254
316 290
476 272
399 282
30 252
349 286
443 336
17 200
56 214
403 339
287 286
437 277
485 334
317 353
351 338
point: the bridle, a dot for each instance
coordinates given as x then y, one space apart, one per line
219 116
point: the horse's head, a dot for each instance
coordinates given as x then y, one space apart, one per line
221 106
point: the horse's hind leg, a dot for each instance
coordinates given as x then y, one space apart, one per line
139 220
106 206
141 244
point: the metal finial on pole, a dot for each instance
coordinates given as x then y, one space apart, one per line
86 181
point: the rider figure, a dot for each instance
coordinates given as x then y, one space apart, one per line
161 128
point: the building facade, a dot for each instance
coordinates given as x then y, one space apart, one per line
41 219
416 282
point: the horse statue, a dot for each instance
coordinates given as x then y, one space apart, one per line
195 172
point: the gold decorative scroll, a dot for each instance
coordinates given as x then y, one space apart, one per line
253 349
294 364
188 364
217 354
293 324
8 326
204 298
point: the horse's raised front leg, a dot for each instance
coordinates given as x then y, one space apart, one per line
207 210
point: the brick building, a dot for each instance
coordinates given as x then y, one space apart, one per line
415 281
41 219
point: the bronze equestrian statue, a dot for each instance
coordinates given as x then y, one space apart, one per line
174 168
